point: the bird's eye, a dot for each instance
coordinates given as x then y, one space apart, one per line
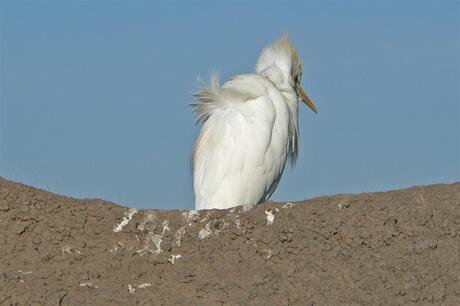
297 79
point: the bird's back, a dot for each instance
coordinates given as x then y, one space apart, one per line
241 150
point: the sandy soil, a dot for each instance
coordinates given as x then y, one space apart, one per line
393 248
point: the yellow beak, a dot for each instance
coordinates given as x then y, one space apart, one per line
307 100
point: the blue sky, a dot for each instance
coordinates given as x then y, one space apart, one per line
94 95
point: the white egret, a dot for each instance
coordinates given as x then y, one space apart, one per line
250 128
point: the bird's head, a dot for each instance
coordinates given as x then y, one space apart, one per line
280 63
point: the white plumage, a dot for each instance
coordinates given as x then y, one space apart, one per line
249 130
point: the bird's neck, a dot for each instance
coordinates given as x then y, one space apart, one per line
281 81
291 99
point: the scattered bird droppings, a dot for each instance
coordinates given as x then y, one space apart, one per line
205 232
179 234
343 205
247 207
128 216
173 258
88 285
131 289
271 215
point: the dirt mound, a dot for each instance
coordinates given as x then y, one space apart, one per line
398 247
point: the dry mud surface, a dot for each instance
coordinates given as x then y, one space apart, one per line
393 248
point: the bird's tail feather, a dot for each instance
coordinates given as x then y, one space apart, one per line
207 98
